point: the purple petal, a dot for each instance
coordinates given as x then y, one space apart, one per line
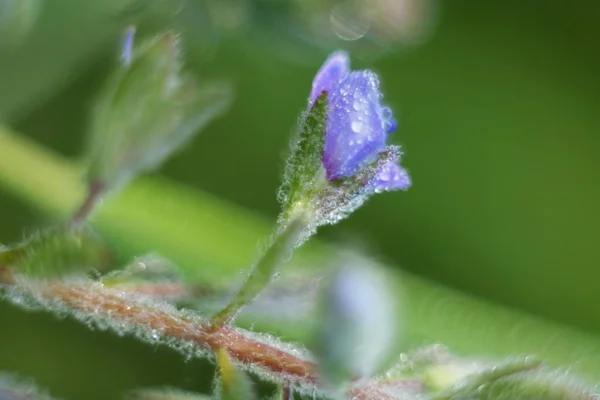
355 129
390 177
335 68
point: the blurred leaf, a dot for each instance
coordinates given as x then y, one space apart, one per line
147 111
164 394
471 384
17 18
56 252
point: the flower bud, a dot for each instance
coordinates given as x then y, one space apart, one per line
356 328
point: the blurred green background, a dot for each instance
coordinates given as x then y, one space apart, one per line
499 117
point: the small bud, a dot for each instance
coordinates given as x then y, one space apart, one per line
56 252
147 111
356 328
234 384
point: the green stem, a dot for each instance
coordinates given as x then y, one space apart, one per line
265 269
95 191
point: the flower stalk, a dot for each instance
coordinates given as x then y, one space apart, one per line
103 307
265 269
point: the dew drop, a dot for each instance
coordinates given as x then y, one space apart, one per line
358 126
390 126
386 113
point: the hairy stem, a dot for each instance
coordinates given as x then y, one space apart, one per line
265 269
273 360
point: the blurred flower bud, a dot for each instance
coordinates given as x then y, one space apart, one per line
147 111
356 327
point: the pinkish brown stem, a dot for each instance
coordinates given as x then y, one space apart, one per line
242 347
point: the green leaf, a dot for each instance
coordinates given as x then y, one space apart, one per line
540 385
304 172
147 111
56 252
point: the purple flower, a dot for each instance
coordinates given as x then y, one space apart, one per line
335 68
390 176
357 124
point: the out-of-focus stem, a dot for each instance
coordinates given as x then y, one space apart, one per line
95 191
265 269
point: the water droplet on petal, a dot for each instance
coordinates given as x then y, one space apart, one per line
358 126
386 113
390 126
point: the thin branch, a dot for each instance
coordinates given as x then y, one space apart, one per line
269 358
95 191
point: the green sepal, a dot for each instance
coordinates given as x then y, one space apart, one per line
56 252
304 172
